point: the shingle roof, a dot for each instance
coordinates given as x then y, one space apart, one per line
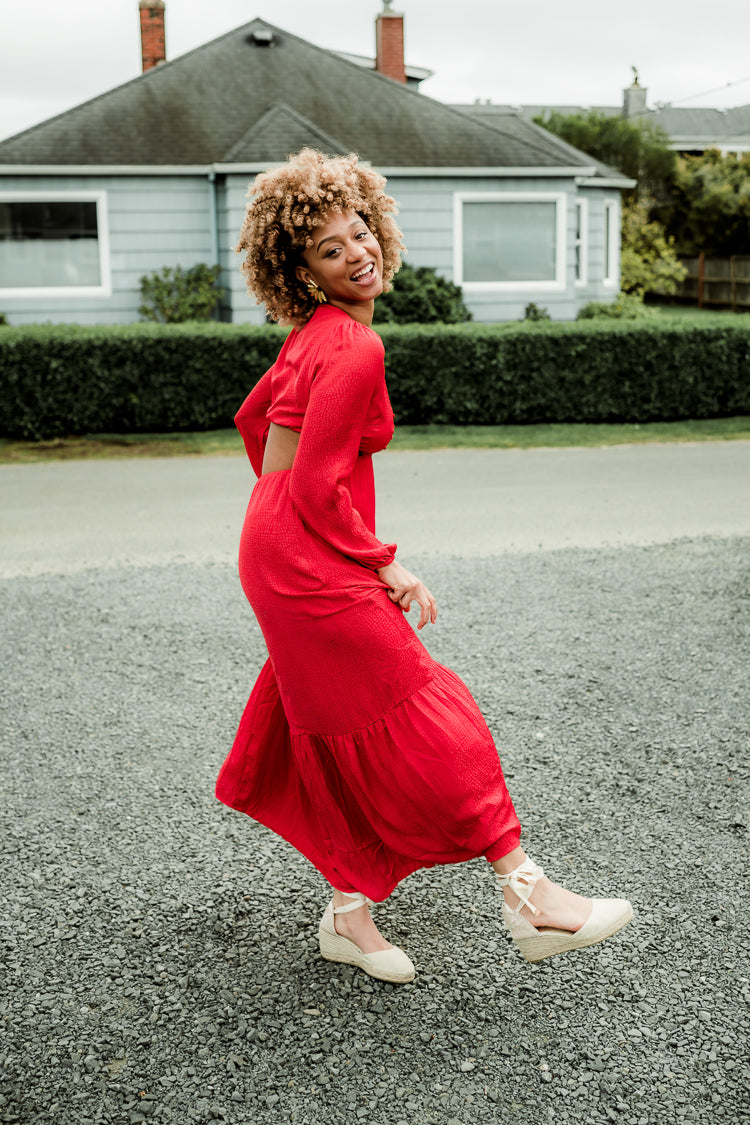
234 100
717 126
710 126
509 121
279 128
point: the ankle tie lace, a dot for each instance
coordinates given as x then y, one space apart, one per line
359 900
522 882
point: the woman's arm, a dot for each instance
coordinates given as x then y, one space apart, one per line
335 417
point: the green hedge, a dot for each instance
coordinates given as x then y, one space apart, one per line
587 371
60 380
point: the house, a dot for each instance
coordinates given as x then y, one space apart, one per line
155 172
689 130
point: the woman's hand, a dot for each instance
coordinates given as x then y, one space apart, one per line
405 588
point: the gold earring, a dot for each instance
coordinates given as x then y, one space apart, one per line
316 292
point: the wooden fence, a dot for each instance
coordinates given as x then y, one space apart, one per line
717 281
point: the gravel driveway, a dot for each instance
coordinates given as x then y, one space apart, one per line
159 953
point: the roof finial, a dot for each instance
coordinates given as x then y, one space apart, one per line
387 5
635 75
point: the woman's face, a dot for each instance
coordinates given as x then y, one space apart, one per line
346 262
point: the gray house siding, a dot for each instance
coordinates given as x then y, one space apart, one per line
427 216
153 221
427 219
168 220
242 306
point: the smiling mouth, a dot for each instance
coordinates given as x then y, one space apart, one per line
365 273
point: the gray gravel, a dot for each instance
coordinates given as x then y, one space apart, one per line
159 952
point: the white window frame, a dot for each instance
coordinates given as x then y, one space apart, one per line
581 243
611 244
104 289
559 198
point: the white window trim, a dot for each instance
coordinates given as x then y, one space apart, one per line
559 198
32 292
612 253
582 241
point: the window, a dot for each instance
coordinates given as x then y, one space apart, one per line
582 242
510 240
54 244
612 243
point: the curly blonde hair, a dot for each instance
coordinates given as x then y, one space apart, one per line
287 204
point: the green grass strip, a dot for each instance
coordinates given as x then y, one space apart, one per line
229 443
569 434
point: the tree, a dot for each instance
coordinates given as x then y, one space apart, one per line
702 202
649 262
639 149
709 208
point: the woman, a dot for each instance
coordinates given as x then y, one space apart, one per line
356 746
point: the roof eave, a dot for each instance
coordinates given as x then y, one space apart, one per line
419 73
437 171
621 182
678 142
584 177
105 169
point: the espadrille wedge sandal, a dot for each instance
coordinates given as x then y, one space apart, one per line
386 964
607 917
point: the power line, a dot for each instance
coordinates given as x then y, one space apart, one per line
705 93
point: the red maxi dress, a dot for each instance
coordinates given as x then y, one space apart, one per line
357 747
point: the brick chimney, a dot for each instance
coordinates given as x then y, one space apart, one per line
389 43
153 43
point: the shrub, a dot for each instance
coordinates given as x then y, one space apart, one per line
174 295
534 312
421 296
628 306
59 380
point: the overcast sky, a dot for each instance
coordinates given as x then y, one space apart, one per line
55 54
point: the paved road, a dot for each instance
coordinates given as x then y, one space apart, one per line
69 516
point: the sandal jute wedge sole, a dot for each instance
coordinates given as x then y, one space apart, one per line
386 964
608 915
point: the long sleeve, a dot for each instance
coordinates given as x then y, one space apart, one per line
340 395
252 423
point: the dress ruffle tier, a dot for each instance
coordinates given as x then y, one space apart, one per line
420 786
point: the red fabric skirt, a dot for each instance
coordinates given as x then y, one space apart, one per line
358 748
